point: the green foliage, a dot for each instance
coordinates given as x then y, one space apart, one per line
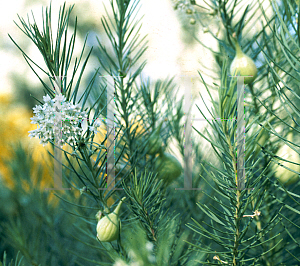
17 262
219 224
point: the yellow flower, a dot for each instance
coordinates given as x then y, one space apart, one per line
15 124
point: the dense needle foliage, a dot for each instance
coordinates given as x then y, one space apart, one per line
221 222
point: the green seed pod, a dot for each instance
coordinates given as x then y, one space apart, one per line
243 65
108 227
284 175
168 167
155 141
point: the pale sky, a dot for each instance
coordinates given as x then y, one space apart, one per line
167 54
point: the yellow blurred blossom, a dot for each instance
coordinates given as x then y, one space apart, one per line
15 124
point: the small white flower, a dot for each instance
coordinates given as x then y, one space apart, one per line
97 123
46 98
94 127
59 98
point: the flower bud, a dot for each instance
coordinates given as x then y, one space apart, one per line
108 227
168 167
243 65
205 30
284 175
189 11
155 141
192 21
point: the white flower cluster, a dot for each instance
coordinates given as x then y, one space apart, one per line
58 119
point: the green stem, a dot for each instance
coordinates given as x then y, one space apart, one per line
258 225
254 99
124 90
238 48
150 224
91 168
237 219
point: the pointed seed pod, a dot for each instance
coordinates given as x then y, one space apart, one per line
155 141
284 175
108 227
168 167
243 65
